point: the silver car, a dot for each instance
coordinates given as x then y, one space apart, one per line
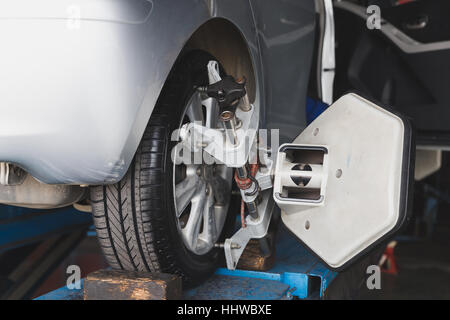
92 91
95 96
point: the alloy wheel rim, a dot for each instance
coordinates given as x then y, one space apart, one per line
201 191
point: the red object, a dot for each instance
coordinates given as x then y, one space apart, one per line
243 224
387 263
244 184
400 2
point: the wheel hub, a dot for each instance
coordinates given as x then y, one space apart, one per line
202 191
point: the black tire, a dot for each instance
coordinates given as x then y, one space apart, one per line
135 218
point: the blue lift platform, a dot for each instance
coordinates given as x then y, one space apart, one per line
296 274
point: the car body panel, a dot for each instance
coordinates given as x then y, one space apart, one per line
287 40
80 78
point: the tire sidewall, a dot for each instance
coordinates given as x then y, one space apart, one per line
191 70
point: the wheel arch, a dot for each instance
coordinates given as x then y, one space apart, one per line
233 51
223 39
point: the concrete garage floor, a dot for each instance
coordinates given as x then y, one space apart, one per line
424 271
87 256
424 265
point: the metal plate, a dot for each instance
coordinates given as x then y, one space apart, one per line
367 181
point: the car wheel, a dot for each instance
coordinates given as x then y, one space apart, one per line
162 216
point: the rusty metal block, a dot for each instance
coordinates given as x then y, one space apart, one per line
259 255
253 258
129 285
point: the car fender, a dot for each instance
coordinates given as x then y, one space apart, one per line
80 78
